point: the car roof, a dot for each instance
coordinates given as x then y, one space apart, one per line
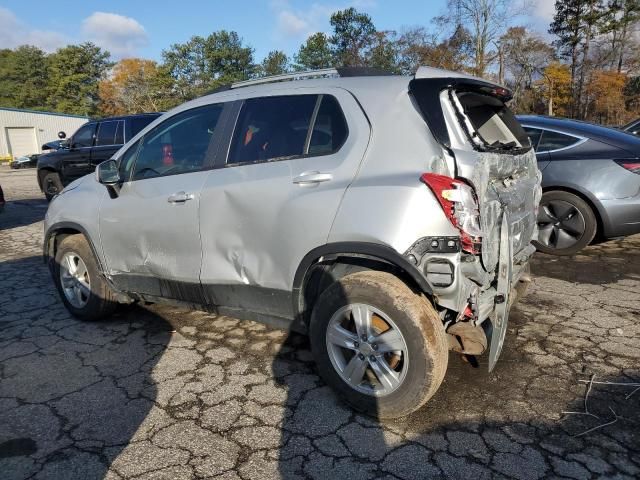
124 117
610 136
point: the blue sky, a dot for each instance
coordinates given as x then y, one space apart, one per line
144 28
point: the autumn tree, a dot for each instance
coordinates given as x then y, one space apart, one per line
418 47
75 73
275 63
134 86
555 85
314 54
524 56
606 88
485 21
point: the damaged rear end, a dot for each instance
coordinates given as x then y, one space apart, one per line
489 189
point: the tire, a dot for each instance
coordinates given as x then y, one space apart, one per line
420 370
96 300
566 223
51 185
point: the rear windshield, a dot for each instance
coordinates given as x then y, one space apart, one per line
492 121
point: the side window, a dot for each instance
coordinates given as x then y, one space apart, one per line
272 128
127 161
554 140
84 136
534 135
178 145
330 128
106 133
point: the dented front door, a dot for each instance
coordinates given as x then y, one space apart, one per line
150 233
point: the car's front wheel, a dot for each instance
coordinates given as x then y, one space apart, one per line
51 185
566 223
380 345
83 290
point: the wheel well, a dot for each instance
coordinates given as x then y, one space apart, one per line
323 273
58 236
594 209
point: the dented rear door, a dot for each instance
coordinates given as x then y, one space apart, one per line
258 219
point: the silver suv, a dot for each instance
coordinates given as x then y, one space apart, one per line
389 217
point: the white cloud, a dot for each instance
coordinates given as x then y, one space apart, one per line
120 35
544 10
291 24
15 32
299 23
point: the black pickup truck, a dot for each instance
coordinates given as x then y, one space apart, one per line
93 143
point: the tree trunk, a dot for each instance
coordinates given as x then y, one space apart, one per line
585 60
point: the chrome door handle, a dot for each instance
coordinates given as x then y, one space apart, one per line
180 197
308 178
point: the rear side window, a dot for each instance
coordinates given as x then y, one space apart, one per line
554 141
492 121
534 136
329 129
138 123
108 133
179 144
272 128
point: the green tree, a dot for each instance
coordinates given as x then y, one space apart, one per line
384 52
24 73
314 54
620 18
353 34
575 23
275 63
204 63
75 72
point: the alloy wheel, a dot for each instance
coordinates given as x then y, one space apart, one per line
75 280
560 224
367 349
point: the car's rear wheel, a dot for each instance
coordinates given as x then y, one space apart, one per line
381 346
51 185
83 290
566 223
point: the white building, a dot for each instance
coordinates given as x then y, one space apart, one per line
22 132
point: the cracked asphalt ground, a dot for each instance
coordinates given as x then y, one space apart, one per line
161 392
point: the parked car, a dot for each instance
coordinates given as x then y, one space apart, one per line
2 201
389 217
590 180
633 127
26 161
94 142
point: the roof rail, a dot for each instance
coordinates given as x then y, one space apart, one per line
322 73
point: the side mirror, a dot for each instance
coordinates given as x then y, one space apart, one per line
62 135
108 174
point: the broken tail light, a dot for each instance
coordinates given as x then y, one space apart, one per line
459 204
631 164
